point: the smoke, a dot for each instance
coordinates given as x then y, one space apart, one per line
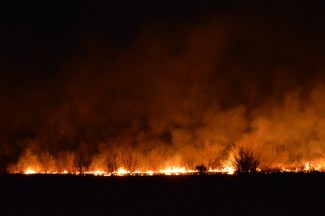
180 94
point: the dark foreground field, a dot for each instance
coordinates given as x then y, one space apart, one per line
285 194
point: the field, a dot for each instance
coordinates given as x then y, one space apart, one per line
260 194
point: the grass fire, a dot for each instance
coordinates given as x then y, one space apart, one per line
162 107
241 161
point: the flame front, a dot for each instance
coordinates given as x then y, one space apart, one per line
171 167
176 170
30 171
170 170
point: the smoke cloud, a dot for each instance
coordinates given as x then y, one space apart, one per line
171 93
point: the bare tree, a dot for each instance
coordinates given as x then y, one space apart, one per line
82 162
47 161
111 164
130 159
20 166
246 160
64 161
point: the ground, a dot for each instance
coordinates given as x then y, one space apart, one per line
260 194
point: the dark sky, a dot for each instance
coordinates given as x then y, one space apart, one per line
140 71
38 38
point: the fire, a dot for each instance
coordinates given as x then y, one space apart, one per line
97 173
227 168
309 167
121 171
175 171
30 171
149 172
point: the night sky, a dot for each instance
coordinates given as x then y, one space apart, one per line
160 74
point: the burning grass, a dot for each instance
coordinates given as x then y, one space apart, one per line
228 170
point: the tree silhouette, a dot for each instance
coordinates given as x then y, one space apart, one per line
246 160
47 161
64 161
111 164
20 166
130 159
82 162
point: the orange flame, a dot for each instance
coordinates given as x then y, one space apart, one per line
30 171
178 170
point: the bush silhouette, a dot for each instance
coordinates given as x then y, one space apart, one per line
246 161
201 169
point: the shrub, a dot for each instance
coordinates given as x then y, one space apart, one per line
246 160
201 169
